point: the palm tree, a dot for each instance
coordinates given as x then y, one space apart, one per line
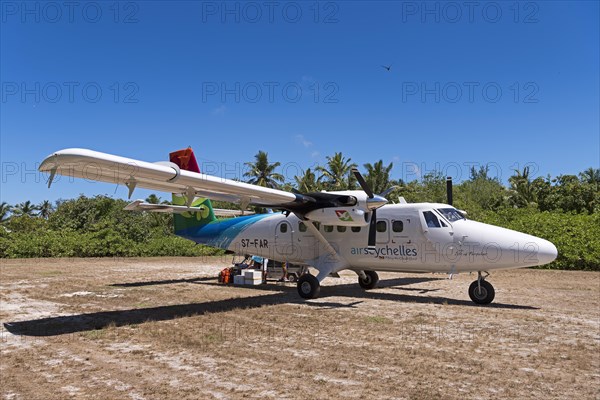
153 199
26 208
5 210
45 209
337 173
378 176
262 173
307 182
521 187
590 175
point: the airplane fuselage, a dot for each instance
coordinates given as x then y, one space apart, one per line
407 241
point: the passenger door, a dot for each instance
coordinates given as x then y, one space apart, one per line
307 248
284 239
383 231
404 229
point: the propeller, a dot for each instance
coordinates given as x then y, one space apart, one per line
363 183
374 201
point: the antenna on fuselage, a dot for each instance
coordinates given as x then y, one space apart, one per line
449 189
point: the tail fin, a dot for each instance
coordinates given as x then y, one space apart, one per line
186 160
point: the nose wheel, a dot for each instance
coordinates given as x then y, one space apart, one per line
481 291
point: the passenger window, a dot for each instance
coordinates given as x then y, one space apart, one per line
431 220
317 225
355 229
283 228
341 229
397 226
301 226
328 228
381 226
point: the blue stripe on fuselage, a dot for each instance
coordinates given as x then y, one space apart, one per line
220 233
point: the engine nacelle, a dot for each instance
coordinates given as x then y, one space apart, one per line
344 216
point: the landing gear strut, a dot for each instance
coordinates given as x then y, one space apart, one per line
481 291
368 279
308 286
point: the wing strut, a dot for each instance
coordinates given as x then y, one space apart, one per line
328 263
131 184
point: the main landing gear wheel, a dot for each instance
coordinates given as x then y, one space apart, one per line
369 281
308 286
481 292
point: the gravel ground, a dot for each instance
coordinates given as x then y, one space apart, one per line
164 328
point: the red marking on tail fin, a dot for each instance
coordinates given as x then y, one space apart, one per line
185 159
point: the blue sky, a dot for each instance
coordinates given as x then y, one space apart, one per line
511 84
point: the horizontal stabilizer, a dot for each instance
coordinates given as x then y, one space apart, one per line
140 205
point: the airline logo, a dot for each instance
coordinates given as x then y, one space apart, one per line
344 215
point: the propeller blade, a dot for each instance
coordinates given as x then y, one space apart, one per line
373 203
388 190
363 183
449 189
372 229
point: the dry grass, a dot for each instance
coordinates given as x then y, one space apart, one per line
163 328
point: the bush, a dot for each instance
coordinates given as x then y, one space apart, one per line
576 236
95 227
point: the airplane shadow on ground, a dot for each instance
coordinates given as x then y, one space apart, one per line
163 282
53 326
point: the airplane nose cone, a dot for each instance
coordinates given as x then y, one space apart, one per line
547 252
376 202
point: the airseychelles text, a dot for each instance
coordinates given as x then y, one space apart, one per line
395 251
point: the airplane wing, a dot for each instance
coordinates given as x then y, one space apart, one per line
335 208
161 176
140 205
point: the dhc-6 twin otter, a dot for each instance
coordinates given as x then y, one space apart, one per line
329 231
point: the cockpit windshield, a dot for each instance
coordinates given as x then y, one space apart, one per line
451 214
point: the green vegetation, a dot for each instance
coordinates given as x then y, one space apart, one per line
576 236
94 227
564 210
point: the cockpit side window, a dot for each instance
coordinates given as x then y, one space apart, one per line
451 214
431 220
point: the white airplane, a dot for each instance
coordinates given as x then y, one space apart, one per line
329 231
